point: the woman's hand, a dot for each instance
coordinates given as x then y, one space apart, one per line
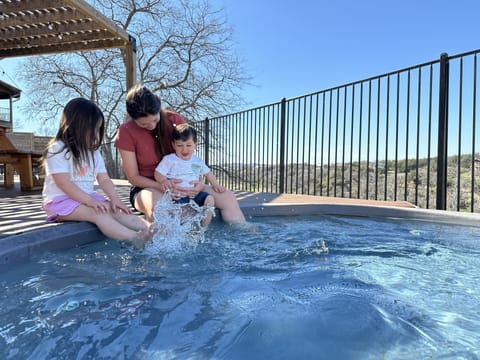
168 185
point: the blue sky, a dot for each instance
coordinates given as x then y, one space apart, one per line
294 48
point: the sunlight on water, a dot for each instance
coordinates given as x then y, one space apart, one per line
305 287
179 226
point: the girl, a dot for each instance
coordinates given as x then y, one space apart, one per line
72 163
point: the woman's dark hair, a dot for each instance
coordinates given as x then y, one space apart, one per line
142 102
79 123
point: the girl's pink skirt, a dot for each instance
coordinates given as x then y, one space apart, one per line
63 205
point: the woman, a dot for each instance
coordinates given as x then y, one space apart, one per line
142 141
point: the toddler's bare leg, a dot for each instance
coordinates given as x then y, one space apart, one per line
209 201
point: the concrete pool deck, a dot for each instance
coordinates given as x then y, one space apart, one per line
24 232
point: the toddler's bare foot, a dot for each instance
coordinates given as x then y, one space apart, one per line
207 220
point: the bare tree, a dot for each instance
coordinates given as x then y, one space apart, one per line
184 51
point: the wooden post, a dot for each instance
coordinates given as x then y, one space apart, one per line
131 62
8 175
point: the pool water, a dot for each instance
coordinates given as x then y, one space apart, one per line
315 287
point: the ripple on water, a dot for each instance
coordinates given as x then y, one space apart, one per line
341 287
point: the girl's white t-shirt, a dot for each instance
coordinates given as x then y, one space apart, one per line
172 167
84 177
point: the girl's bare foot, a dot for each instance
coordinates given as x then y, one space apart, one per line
143 236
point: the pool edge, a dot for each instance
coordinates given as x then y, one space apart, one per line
20 247
363 210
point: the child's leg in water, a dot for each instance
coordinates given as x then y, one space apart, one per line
110 226
209 201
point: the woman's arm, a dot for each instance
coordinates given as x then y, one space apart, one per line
165 183
130 166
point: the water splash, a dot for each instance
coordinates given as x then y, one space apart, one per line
179 226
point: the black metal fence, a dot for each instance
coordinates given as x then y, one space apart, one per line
406 135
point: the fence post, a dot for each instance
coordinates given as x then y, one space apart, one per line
442 134
206 135
283 119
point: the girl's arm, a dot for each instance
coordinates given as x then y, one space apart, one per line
62 180
108 188
130 167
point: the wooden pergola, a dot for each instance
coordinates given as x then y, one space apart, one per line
40 27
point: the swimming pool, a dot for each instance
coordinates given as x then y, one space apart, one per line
298 287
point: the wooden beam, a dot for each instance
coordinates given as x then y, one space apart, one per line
99 18
41 18
55 39
39 30
31 5
44 50
8 159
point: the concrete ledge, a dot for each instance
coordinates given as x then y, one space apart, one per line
359 210
20 248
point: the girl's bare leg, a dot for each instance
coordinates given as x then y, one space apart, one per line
228 205
108 225
131 221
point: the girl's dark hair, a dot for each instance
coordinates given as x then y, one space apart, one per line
78 130
184 132
142 102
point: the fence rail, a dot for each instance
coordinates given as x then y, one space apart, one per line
405 135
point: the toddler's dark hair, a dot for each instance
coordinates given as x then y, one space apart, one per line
184 132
